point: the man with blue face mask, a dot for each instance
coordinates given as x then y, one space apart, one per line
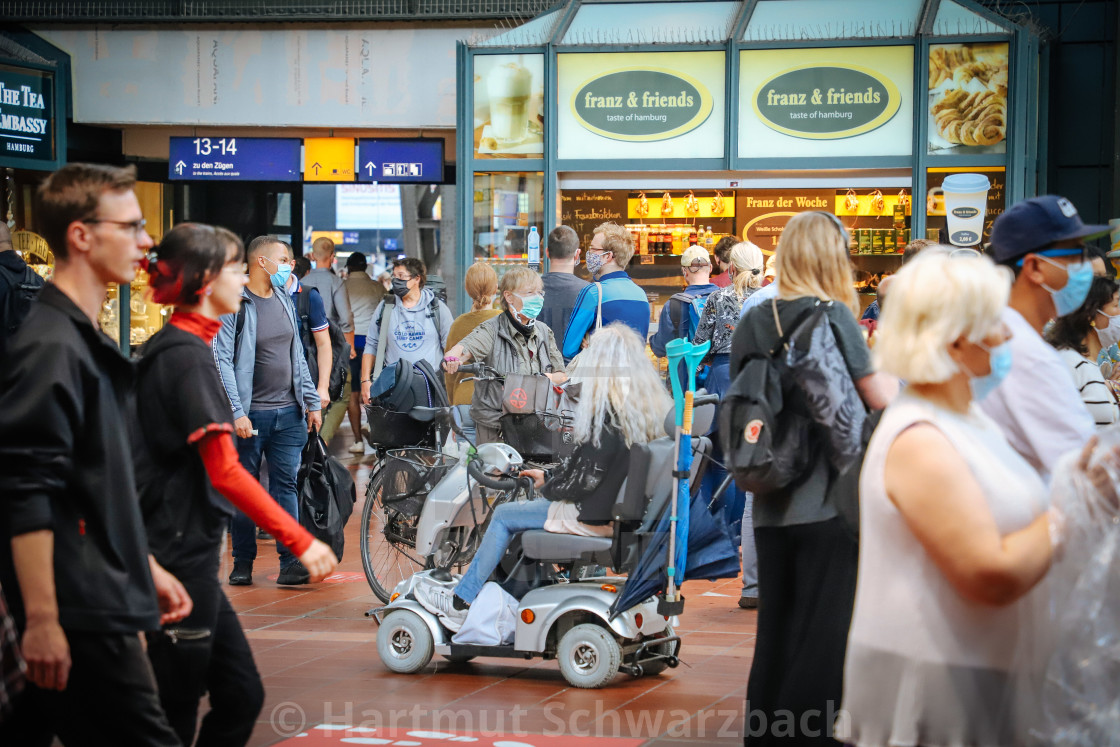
275 403
1042 241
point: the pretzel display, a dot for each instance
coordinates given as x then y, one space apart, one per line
666 204
971 106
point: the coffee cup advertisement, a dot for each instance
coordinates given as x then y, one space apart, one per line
509 106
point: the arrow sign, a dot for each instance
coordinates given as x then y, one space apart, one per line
369 167
179 167
316 166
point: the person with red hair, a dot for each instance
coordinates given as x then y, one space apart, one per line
188 473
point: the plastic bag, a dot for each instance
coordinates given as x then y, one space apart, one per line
491 620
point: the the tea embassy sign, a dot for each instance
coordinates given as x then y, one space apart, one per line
642 104
27 116
826 102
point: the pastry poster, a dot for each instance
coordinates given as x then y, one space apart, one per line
509 106
967 98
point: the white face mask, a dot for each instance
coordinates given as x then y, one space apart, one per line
1109 334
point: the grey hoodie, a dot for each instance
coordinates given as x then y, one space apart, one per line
413 333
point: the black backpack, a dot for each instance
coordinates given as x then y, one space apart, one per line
340 348
22 291
764 428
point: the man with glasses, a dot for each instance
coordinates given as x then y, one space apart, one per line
1038 407
622 299
275 403
74 560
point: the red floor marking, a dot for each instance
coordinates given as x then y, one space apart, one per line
331 735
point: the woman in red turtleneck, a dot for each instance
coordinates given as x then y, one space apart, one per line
189 474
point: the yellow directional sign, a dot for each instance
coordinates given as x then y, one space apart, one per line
328 159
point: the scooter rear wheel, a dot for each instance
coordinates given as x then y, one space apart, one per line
404 642
387 543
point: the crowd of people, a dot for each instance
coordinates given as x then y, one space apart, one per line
909 594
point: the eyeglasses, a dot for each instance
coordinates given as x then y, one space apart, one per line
405 278
137 226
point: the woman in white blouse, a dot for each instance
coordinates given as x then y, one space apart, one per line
956 536
1080 337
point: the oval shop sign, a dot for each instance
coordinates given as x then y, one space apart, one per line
826 102
641 104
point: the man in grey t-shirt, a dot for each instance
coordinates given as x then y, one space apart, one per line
561 286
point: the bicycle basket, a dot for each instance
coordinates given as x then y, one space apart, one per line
394 430
541 435
409 475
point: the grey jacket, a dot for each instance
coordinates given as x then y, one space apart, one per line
235 366
336 302
499 345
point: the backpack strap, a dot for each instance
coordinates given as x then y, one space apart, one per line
303 306
383 334
683 299
599 308
434 307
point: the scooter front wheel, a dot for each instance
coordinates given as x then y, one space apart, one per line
589 656
404 642
388 543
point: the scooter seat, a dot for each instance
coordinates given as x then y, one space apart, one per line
537 544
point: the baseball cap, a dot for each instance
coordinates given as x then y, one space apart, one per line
695 255
1037 223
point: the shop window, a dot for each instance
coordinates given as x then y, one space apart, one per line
652 23
827 19
505 206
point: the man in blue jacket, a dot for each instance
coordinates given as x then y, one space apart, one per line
261 362
681 313
622 299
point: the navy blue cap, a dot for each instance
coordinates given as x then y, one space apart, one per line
1035 224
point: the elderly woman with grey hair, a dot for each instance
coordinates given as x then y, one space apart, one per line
510 343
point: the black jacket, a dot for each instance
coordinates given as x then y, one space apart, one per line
66 465
591 477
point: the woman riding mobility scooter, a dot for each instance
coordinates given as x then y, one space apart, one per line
561 613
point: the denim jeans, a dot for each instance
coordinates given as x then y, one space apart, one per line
281 436
508 519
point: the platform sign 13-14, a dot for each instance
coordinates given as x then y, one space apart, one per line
235 159
400 161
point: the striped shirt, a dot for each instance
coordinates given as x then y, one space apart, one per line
1095 392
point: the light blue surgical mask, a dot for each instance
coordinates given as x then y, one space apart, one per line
531 305
1069 298
283 272
999 359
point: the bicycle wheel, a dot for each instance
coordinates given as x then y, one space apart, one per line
388 543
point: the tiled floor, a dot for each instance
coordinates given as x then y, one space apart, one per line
316 652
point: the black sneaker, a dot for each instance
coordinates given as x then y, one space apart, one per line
294 575
262 535
242 573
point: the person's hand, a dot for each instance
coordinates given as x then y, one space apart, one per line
353 353
47 653
314 419
450 364
324 398
243 427
536 474
365 391
174 601
319 561
557 378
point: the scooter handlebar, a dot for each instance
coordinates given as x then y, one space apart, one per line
474 469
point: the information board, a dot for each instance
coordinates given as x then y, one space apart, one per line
583 210
328 159
262 159
400 161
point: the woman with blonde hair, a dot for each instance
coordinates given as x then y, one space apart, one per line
481 285
622 402
511 343
956 535
806 554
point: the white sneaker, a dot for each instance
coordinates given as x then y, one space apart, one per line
439 600
357 448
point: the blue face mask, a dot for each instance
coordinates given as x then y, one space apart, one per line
999 359
283 272
1070 297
